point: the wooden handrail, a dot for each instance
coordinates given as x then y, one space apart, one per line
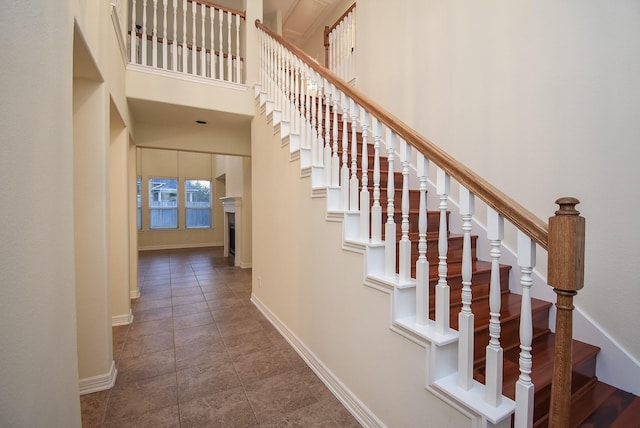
189 46
523 219
339 20
217 6
328 29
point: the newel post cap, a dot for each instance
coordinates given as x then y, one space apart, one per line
566 246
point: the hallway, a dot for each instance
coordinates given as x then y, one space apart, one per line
199 354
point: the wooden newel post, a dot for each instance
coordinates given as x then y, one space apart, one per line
326 45
566 276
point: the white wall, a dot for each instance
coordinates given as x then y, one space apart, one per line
38 361
302 276
540 98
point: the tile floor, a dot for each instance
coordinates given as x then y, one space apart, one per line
199 354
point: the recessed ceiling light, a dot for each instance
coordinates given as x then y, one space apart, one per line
201 122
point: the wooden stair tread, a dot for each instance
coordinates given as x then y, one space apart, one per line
630 417
542 355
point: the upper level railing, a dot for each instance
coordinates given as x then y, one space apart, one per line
310 102
193 37
340 45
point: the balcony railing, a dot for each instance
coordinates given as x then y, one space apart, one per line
195 38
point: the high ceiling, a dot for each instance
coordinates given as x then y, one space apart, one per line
300 18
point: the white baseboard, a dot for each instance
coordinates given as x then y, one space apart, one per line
134 294
100 382
356 407
180 246
125 319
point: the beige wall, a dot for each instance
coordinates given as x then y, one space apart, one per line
91 227
217 138
302 275
38 360
184 166
540 98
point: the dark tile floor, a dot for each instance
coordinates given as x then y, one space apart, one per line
199 354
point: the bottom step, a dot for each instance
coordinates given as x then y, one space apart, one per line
600 405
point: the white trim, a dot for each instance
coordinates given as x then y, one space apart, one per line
351 402
187 77
125 319
99 382
134 294
179 246
615 365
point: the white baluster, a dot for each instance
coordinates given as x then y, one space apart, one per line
364 193
390 226
466 317
524 387
352 48
327 134
353 183
221 52
349 38
287 87
442 289
194 42
405 243
422 264
295 126
278 75
335 161
495 233
165 59
306 117
332 51
212 46
340 46
185 48
229 51
320 145
238 78
203 43
143 39
376 209
174 45
154 36
133 53
345 154
314 121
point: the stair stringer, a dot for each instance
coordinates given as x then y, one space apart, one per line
440 350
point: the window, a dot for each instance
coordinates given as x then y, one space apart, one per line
139 201
197 203
163 203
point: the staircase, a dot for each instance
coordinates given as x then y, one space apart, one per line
593 403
